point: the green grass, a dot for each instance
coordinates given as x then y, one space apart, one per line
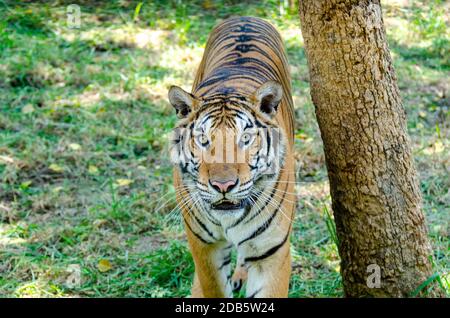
84 119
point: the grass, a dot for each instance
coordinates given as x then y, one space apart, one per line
84 118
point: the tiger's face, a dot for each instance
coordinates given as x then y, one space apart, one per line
227 147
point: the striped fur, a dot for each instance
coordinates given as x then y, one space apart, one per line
237 91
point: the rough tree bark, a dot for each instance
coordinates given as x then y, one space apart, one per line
374 189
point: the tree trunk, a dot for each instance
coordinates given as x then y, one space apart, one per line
374 189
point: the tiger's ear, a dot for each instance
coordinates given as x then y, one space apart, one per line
181 100
268 96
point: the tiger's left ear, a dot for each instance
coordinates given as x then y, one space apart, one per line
268 97
181 100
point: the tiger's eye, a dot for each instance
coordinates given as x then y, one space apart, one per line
203 139
245 138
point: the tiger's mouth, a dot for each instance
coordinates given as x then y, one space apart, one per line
229 205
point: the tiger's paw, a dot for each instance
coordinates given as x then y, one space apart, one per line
239 278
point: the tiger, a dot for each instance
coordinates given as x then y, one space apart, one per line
232 150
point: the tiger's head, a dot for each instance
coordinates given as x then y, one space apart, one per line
228 146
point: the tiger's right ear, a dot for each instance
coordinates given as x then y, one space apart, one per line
268 96
181 100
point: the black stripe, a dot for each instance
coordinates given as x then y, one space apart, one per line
258 157
199 222
196 234
203 226
225 263
270 252
237 110
183 168
238 74
259 124
254 294
213 112
212 220
246 212
208 215
242 62
248 124
266 201
245 183
268 142
260 230
267 223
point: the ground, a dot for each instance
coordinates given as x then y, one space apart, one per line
87 204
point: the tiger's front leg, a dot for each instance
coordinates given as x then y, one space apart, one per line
212 268
269 277
239 276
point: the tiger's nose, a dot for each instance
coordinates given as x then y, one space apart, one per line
223 186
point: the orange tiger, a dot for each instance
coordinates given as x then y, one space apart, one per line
234 169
